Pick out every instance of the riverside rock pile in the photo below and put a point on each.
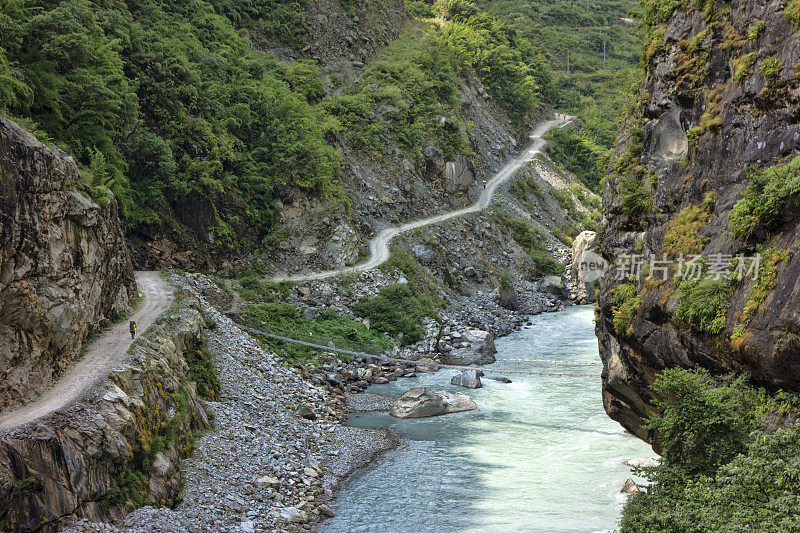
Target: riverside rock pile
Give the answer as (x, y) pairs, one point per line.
(262, 466)
(279, 448)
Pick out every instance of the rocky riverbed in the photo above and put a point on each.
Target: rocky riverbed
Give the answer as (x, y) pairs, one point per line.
(279, 448)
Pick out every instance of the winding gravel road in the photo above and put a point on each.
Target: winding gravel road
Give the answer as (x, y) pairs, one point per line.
(379, 245)
(104, 353)
(101, 357)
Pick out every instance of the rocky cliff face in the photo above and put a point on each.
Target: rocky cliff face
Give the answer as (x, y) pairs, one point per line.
(64, 268)
(700, 169)
(119, 448)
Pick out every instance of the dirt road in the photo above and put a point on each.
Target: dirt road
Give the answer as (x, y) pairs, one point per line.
(379, 245)
(101, 356)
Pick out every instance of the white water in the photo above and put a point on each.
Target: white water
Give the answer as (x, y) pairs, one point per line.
(540, 456)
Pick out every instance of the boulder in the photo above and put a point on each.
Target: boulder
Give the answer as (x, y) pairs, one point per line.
(587, 266)
(629, 487)
(434, 161)
(469, 379)
(422, 402)
(293, 515)
(555, 286)
(480, 349)
(507, 298)
(458, 175)
(643, 462)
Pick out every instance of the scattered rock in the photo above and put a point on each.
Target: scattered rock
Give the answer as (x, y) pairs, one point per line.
(479, 349)
(470, 379)
(629, 487)
(422, 402)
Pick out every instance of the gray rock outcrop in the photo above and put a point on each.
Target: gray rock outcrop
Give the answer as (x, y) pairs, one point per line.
(477, 348)
(469, 379)
(554, 286)
(64, 267)
(124, 440)
(422, 403)
(586, 267)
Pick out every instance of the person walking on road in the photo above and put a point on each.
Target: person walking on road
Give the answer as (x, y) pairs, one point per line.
(133, 329)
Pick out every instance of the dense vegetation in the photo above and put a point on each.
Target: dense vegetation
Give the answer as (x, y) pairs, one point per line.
(532, 240)
(267, 309)
(169, 103)
(593, 91)
(729, 461)
(399, 309)
(164, 100)
(766, 199)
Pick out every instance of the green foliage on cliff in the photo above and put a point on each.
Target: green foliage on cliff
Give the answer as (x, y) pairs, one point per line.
(682, 235)
(398, 311)
(704, 304)
(771, 69)
(635, 197)
(729, 459)
(626, 301)
(766, 198)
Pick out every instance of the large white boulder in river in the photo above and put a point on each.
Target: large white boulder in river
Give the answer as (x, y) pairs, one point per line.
(480, 349)
(422, 402)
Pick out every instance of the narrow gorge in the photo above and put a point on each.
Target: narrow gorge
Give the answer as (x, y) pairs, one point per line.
(419, 265)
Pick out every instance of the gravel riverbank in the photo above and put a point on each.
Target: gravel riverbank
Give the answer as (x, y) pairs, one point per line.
(280, 448)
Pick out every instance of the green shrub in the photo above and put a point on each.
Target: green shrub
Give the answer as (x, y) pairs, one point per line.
(792, 12)
(742, 66)
(771, 69)
(723, 468)
(765, 282)
(396, 311)
(287, 320)
(756, 29)
(766, 198)
(635, 197)
(580, 155)
(531, 240)
(682, 235)
(704, 304)
(203, 372)
(626, 302)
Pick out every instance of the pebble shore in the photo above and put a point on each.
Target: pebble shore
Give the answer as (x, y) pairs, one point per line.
(279, 448)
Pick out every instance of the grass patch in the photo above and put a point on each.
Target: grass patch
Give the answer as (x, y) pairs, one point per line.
(771, 69)
(626, 302)
(742, 65)
(765, 200)
(635, 197)
(531, 240)
(398, 312)
(203, 372)
(704, 304)
(764, 283)
(682, 235)
(288, 321)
